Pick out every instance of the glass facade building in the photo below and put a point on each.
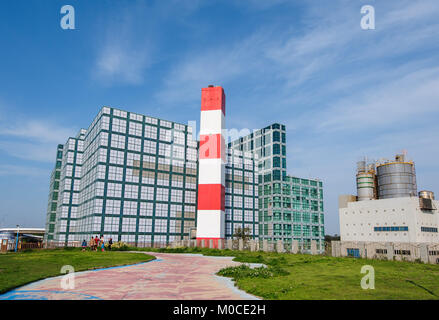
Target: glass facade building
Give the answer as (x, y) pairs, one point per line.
(53, 195)
(69, 187)
(241, 201)
(290, 208)
(133, 178)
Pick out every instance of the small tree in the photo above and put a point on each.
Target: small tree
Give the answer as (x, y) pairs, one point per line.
(241, 233)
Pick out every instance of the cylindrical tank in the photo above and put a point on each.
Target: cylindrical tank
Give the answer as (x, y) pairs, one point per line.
(396, 179)
(426, 194)
(365, 186)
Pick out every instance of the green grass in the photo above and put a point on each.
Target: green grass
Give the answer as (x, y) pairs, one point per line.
(17, 269)
(298, 276)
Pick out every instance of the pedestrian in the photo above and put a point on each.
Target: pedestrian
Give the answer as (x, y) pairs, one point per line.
(96, 243)
(84, 245)
(103, 245)
(110, 243)
(92, 244)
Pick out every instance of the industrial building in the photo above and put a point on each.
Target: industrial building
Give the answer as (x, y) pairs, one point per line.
(144, 180)
(388, 210)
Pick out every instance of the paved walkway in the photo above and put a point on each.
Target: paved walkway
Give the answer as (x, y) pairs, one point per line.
(170, 276)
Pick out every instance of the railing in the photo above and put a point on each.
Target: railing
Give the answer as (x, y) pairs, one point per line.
(24, 246)
(61, 244)
(76, 244)
(11, 246)
(33, 245)
(253, 245)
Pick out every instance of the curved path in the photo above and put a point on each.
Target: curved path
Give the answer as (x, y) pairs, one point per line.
(170, 276)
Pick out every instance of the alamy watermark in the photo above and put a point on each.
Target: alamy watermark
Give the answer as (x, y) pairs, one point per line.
(68, 20)
(67, 281)
(368, 19)
(368, 281)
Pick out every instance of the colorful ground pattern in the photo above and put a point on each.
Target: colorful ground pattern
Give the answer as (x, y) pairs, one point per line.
(169, 277)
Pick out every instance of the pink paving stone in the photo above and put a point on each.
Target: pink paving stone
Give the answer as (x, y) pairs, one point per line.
(170, 277)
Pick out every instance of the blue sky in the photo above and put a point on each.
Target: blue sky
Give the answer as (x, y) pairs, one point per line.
(342, 92)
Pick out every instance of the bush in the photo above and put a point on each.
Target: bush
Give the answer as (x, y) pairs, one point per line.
(244, 271)
(277, 261)
(118, 246)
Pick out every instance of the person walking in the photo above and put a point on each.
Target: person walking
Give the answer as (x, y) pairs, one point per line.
(110, 243)
(84, 245)
(96, 243)
(91, 244)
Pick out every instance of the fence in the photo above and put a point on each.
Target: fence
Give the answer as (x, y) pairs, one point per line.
(23, 246)
(61, 244)
(233, 244)
(253, 245)
(423, 252)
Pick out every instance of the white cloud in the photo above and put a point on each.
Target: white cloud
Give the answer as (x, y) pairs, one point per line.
(413, 95)
(123, 64)
(122, 57)
(218, 65)
(132, 37)
(34, 140)
(39, 130)
(8, 170)
(407, 12)
(34, 151)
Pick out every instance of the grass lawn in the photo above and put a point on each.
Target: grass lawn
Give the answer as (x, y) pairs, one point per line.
(17, 269)
(299, 276)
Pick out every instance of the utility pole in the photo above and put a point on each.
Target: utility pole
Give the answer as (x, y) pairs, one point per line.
(16, 241)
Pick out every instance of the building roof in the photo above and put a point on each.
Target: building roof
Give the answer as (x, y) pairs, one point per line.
(24, 230)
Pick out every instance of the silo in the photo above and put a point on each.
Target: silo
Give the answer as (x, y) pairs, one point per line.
(365, 186)
(365, 181)
(396, 179)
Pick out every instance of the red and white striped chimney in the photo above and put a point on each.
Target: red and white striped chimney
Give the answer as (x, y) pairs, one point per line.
(211, 173)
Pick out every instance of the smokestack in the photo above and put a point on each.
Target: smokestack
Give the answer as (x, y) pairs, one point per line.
(211, 175)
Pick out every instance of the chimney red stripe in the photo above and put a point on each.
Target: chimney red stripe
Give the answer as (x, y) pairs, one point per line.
(211, 197)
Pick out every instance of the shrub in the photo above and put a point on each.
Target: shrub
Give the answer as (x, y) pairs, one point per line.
(244, 271)
(118, 246)
(277, 261)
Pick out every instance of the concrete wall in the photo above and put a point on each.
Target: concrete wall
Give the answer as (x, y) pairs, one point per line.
(424, 252)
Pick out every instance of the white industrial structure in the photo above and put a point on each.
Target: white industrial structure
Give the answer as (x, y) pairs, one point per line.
(389, 220)
(388, 210)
